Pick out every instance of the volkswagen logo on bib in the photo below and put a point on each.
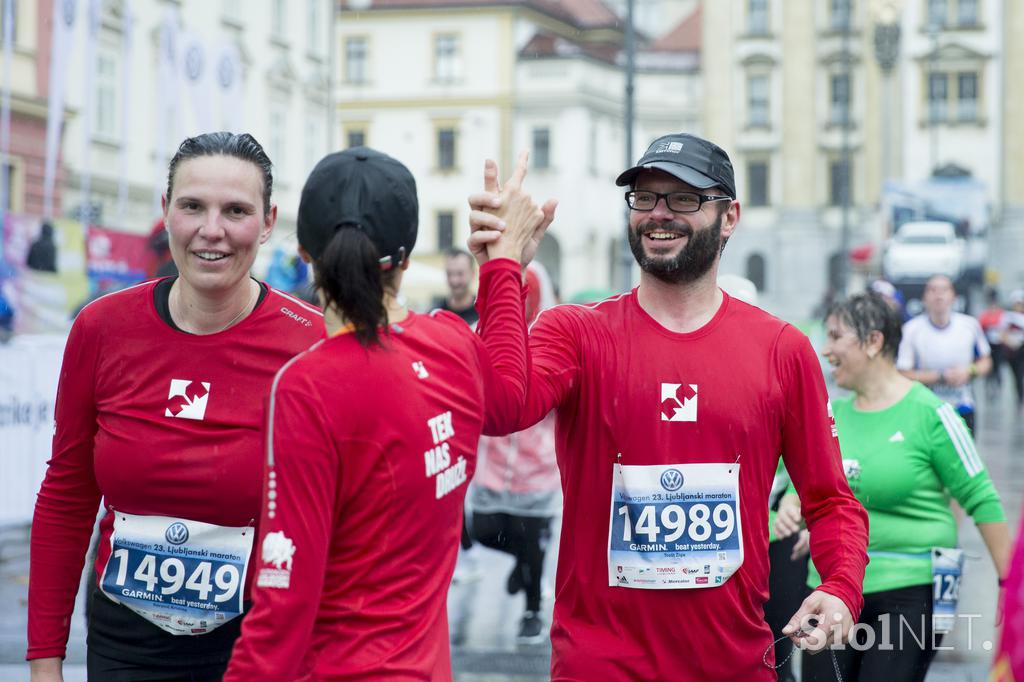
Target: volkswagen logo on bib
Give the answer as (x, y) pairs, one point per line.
(672, 480)
(176, 533)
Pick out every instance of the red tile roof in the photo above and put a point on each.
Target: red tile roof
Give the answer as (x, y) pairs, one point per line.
(548, 45)
(686, 37)
(581, 13)
(587, 13)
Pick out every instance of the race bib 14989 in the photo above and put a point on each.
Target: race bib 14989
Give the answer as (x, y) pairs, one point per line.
(674, 526)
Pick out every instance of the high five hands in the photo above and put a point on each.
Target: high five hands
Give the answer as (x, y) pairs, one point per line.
(504, 222)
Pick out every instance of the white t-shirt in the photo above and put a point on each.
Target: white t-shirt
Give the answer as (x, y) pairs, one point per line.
(958, 344)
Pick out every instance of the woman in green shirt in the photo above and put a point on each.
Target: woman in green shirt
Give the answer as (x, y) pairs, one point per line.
(906, 454)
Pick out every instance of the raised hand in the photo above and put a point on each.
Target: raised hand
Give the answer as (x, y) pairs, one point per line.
(505, 222)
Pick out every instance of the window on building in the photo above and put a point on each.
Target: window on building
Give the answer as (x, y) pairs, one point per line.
(13, 203)
(757, 183)
(592, 149)
(445, 230)
(938, 97)
(106, 95)
(232, 9)
(356, 56)
(14, 22)
(756, 270)
(278, 131)
(313, 24)
(355, 137)
(842, 14)
(314, 138)
(839, 99)
(541, 154)
(967, 97)
(967, 13)
(446, 58)
(757, 101)
(757, 17)
(446, 148)
(839, 183)
(279, 16)
(937, 13)
(834, 271)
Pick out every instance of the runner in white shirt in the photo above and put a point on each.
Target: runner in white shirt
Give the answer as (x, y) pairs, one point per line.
(945, 350)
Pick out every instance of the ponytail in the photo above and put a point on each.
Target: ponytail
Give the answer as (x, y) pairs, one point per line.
(349, 275)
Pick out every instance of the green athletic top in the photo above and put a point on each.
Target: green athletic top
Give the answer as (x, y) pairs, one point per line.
(903, 463)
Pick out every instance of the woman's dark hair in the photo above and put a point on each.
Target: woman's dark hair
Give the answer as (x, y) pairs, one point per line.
(869, 312)
(349, 275)
(244, 147)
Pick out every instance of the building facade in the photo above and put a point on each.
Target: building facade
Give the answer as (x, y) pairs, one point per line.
(484, 79)
(29, 87)
(821, 102)
(158, 71)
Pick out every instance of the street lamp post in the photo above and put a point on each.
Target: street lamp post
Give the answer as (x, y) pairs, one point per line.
(846, 187)
(332, 58)
(332, 120)
(933, 110)
(625, 256)
(887, 51)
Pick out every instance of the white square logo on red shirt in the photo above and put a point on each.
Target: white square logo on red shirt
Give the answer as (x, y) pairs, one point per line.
(187, 399)
(679, 402)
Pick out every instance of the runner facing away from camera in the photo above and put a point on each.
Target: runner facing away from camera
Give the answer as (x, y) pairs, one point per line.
(372, 439)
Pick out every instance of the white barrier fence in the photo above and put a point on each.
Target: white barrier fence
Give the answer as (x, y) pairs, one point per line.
(29, 369)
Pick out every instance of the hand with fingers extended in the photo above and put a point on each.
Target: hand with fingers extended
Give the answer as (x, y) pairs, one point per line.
(505, 222)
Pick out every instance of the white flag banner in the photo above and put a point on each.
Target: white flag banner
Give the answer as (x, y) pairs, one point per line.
(127, 59)
(92, 32)
(5, 107)
(229, 87)
(167, 104)
(64, 16)
(196, 69)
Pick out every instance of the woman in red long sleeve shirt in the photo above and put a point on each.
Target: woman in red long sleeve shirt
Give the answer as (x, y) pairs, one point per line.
(158, 414)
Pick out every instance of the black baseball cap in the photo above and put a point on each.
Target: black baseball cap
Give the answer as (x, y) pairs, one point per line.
(363, 189)
(692, 159)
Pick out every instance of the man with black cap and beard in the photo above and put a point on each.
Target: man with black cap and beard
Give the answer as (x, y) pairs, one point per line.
(674, 402)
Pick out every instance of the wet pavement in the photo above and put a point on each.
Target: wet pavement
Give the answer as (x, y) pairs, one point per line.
(484, 618)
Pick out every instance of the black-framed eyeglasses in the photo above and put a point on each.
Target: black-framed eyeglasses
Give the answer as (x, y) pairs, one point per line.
(677, 202)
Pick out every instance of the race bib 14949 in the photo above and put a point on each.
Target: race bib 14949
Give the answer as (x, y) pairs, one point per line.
(185, 577)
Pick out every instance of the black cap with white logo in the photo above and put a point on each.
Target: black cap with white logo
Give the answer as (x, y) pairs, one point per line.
(363, 189)
(689, 158)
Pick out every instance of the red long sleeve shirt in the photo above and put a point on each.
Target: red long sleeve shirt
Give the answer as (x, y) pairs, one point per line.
(746, 385)
(369, 454)
(124, 432)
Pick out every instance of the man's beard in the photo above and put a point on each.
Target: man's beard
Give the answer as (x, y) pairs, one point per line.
(691, 263)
